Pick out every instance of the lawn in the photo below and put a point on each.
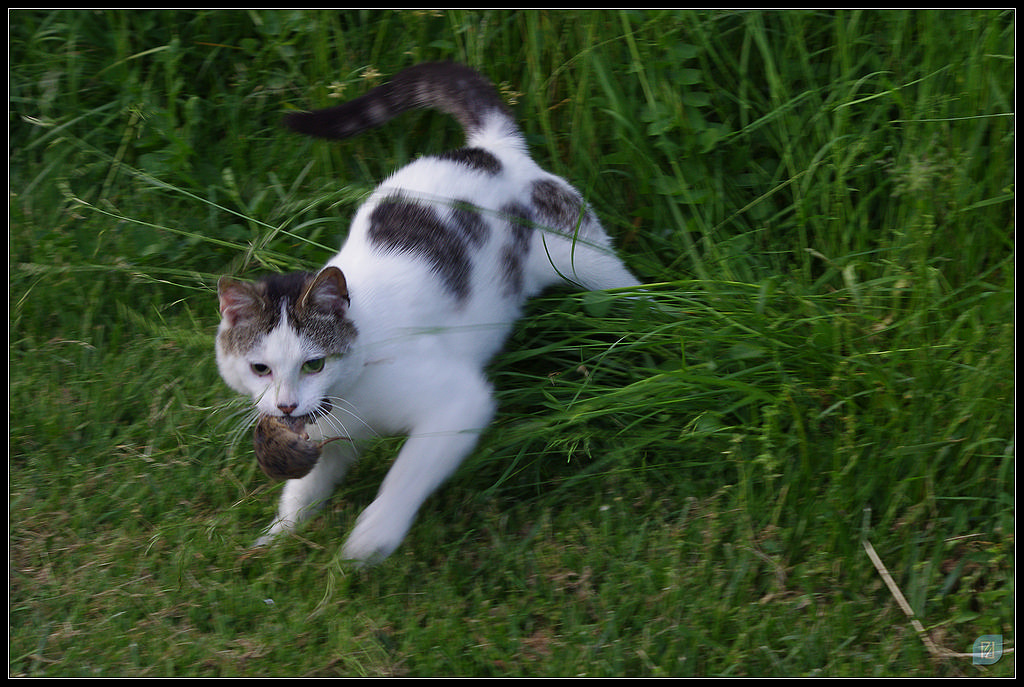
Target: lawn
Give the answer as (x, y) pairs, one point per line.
(822, 204)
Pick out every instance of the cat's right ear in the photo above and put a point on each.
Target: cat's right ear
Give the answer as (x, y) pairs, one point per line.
(239, 300)
(327, 291)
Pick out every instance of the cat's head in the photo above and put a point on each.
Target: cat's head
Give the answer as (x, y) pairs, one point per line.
(285, 340)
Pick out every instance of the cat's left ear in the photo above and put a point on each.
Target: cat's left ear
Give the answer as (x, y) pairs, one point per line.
(326, 291)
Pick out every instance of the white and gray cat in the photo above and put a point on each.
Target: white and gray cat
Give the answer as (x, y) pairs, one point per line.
(391, 336)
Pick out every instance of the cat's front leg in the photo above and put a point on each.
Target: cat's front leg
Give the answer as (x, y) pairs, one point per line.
(430, 455)
(302, 498)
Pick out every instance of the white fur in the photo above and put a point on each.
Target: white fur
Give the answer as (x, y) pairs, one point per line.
(416, 365)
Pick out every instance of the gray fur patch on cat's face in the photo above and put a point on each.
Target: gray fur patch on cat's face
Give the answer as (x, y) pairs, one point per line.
(314, 305)
(250, 310)
(401, 225)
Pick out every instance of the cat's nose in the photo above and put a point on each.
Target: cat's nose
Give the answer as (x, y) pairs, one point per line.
(287, 409)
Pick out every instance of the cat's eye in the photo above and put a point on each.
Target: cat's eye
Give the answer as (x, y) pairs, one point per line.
(313, 366)
(259, 369)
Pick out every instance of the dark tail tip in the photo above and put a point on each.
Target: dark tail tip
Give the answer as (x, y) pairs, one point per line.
(297, 122)
(449, 87)
(336, 122)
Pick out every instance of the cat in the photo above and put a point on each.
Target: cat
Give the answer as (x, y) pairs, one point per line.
(392, 335)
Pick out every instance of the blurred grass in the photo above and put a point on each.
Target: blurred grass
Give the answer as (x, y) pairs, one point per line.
(822, 202)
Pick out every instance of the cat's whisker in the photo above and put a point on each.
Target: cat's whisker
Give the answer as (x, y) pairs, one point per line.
(322, 416)
(325, 415)
(340, 404)
(239, 415)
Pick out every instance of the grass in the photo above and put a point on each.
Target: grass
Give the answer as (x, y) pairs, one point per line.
(822, 202)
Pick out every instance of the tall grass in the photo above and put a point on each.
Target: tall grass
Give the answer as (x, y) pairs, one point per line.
(821, 202)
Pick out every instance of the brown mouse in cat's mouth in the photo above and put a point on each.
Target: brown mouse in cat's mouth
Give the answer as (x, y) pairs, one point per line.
(283, 447)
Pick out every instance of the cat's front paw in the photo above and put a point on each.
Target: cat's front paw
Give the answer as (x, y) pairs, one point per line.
(375, 537)
(273, 531)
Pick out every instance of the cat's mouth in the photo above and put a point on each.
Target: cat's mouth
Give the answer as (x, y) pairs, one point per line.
(297, 423)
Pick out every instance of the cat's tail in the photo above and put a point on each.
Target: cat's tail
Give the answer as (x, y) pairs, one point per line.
(452, 88)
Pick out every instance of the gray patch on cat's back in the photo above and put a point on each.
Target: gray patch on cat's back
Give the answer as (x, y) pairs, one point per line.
(559, 207)
(516, 248)
(404, 226)
(474, 158)
(468, 223)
